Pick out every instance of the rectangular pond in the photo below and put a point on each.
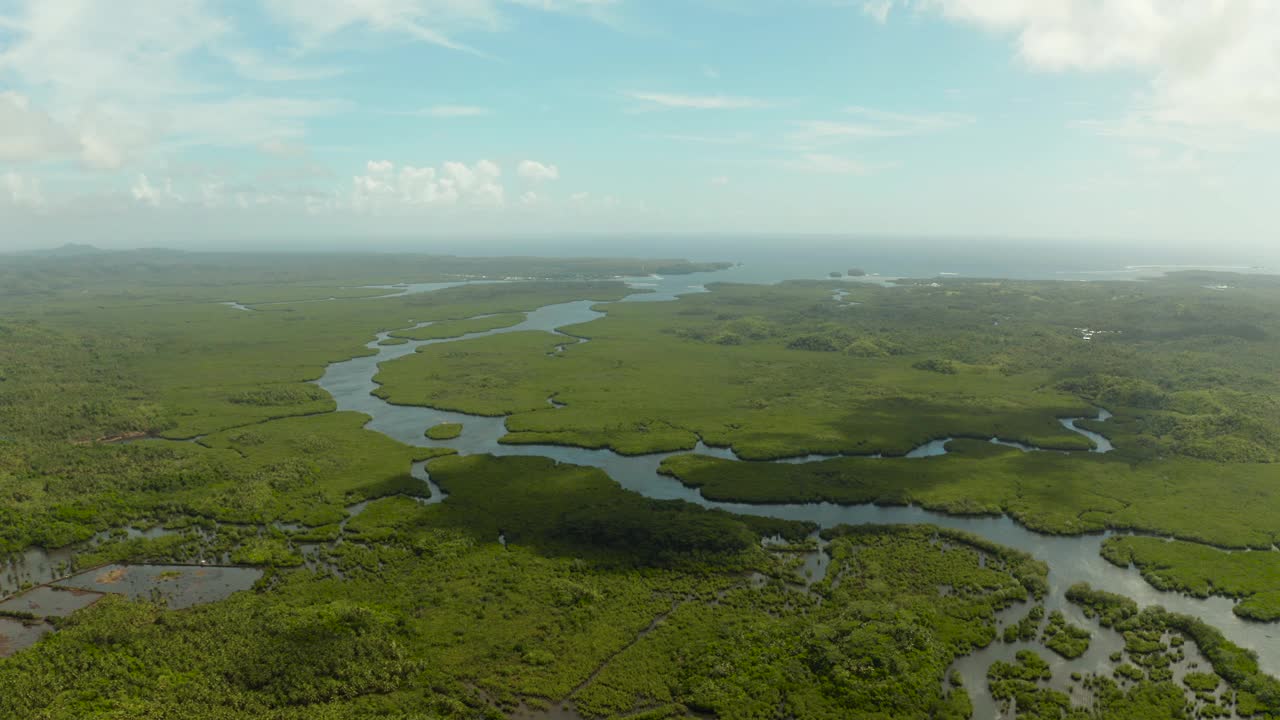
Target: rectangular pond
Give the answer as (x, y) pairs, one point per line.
(18, 635)
(181, 586)
(46, 601)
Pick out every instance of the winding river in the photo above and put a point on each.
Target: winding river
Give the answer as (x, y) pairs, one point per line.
(1071, 559)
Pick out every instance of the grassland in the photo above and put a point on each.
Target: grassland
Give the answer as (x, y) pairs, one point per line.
(444, 431)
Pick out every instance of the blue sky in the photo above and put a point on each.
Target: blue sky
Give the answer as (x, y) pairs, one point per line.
(194, 122)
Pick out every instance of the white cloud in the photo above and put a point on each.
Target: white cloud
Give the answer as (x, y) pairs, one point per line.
(27, 133)
(698, 102)
(829, 164)
(155, 196)
(246, 120)
(533, 170)
(871, 124)
(878, 9)
(102, 137)
(452, 111)
(21, 191)
(382, 188)
(720, 180)
(1210, 63)
(89, 49)
(738, 138)
(529, 198)
(430, 21)
(280, 147)
(437, 22)
(110, 136)
(252, 65)
(122, 78)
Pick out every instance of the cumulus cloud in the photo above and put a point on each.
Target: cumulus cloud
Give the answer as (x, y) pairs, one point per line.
(27, 133)
(1209, 62)
(533, 170)
(155, 195)
(21, 191)
(697, 102)
(383, 187)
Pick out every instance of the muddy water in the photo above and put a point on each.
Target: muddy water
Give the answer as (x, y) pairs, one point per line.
(18, 635)
(1071, 559)
(47, 601)
(37, 566)
(1095, 661)
(179, 586)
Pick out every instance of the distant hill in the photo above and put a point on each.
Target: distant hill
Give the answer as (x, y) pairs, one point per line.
(68, 250)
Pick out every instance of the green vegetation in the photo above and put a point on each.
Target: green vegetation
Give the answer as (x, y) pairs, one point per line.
(753, 368)
(458, 328)
(1027, 628)
(1144, 630)
(427, 614)
(1201, 682)
(534, 500)
(1204, 571)
(1048, 492)
(878, 643)
(444, 431)
(1069, 641)
(1017, 682)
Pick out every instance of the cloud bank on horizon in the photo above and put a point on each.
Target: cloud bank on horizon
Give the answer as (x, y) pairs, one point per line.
(176, 121)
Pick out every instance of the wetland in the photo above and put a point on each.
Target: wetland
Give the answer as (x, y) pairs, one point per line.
(658, 497)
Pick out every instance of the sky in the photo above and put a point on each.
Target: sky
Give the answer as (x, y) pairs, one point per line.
(197, 123)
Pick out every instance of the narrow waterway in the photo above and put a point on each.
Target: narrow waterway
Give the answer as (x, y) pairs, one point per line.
(1071, 559)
